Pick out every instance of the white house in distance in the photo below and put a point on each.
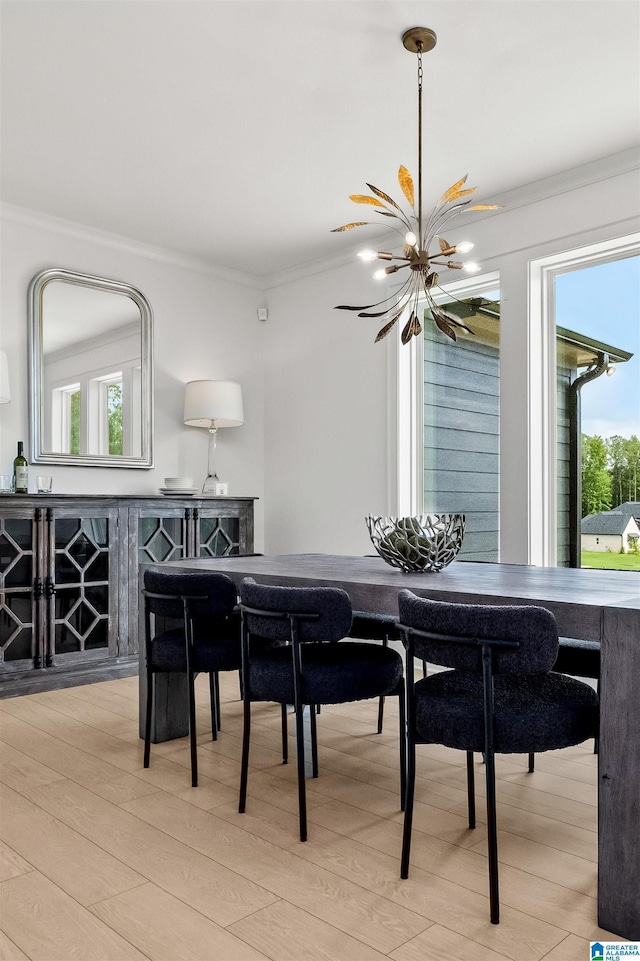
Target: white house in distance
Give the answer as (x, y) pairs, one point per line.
(613, 531)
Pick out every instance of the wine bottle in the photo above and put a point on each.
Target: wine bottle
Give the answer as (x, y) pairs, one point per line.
(21, 471)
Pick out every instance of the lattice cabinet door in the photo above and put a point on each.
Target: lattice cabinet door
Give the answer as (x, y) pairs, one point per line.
(81, 586)
(161, 533)
(158, 532)
(217, 533)
(20, 590)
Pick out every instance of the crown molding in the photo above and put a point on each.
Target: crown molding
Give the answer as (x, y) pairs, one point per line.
(69, 228)
(596, 171)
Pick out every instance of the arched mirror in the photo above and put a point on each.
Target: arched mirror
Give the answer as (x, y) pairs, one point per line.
(91, 398)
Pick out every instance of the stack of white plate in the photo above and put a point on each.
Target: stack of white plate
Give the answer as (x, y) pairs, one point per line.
(178, 485)
(182, 491)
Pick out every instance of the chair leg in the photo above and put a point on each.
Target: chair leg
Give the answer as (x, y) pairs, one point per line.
(302, 795)
(403, 746)
(213, 696)
(314, 741)
(532, 763)
(385, 643)
(471, 794)
(492, 837)
(285, 740)
(218, 710)
(147, 721)
(408, 807)
(244, 764)
(192, 728)
(380, 713)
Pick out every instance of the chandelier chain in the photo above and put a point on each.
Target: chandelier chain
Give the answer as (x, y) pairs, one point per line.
(419, 52)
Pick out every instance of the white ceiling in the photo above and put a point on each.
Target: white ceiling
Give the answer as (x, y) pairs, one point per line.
(234, 130)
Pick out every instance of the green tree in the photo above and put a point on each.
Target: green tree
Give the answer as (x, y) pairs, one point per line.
(596, 479)
(616, 461)
(114, 414)
(74, 423)
(632, 465)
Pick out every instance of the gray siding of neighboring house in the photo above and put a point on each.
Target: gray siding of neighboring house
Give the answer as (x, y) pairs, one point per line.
(461, 438)
(563, 382)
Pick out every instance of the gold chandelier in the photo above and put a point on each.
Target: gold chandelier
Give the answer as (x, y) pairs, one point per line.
(419, 234)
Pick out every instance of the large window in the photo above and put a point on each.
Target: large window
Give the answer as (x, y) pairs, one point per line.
(577, 306)
(457, 418)
(599, 414)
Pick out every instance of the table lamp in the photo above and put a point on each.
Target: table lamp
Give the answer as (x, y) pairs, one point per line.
(212, 404)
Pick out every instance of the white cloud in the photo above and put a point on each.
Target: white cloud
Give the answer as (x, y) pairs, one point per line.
(603, 427)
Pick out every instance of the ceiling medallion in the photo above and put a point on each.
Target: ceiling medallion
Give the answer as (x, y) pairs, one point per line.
(419, 234)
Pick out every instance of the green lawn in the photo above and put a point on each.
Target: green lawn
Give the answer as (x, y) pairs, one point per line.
(610, 561)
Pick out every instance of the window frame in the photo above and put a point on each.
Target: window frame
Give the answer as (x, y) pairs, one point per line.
(542, 394)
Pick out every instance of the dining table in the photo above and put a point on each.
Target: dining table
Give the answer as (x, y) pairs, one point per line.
(595, 605)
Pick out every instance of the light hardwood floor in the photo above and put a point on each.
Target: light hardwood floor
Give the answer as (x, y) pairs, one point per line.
(100, 859)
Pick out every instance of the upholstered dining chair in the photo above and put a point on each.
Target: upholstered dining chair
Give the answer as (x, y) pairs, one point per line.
(308, 662)
(578, 658)
(206, 639)
(498, 696)
(369, 626)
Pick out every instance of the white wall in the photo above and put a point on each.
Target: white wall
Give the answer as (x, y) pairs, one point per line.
(601, 542)
(204, 326)
(326, 431)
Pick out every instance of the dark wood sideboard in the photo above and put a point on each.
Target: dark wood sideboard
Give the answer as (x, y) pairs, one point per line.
(69, 567)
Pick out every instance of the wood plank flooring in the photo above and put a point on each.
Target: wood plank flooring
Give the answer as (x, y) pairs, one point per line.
(100, 859)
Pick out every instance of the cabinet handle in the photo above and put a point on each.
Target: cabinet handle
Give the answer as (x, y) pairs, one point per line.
(50, 588)
(38, 588)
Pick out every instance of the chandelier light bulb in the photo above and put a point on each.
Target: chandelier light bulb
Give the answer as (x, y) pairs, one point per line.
(471, 267)
(464, 247)
(380, 274)
(367, 254)
(411, 238)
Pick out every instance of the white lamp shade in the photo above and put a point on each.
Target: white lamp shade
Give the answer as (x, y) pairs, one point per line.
(5, 390)
(213, 403)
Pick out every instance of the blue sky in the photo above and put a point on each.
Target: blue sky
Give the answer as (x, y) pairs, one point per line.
(603, 302)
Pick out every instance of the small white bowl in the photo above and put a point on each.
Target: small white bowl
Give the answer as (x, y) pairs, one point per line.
(178, 482)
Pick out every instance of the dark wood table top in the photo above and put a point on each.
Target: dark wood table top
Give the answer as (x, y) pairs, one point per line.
(577, 597)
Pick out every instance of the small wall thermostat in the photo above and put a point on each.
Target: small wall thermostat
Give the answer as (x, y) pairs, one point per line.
(263, 313)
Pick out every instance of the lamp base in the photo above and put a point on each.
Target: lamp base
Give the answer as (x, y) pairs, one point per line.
(209, 486)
